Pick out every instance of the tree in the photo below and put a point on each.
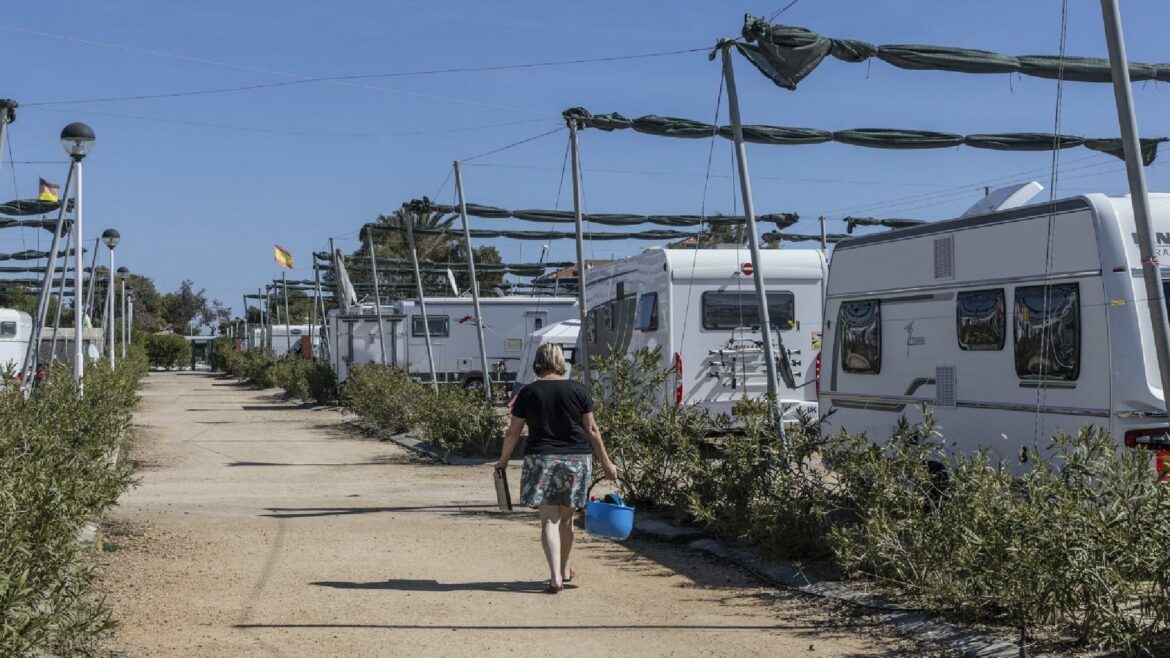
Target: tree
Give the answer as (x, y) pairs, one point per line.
(186, 307)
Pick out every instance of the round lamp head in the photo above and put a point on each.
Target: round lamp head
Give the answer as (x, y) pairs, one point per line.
(111, 237)
(77, 139)
(123, 271)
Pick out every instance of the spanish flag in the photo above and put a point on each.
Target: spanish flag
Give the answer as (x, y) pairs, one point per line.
(49, 191)
(283, 257)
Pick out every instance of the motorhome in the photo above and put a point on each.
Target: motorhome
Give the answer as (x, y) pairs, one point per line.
(564, 333)
(1007, 326)
(285, 339)
(454, 340)
(700, 307)
(15, 333)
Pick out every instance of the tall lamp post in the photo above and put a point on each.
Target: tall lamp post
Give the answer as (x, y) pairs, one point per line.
(110, 237)
(123, 274)
(77, 139)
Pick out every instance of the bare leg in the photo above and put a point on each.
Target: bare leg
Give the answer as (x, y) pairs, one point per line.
(566, 532)
(550, 537)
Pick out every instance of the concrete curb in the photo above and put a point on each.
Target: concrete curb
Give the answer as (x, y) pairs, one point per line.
(786, 575)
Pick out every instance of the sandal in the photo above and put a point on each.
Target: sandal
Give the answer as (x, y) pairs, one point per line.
(553, 589)
(570, 577)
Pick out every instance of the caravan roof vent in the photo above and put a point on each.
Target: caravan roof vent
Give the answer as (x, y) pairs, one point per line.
(944, 257)
(1004, 198)
(944, 386)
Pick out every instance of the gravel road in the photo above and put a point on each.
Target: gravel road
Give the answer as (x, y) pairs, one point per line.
(264, 529)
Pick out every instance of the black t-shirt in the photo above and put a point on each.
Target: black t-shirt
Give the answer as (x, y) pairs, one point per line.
(552, 409)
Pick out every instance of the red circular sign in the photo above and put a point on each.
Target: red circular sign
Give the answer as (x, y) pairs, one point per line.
(747, 269)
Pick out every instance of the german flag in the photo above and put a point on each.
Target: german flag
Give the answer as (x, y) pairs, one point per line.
(283, 257)
(49, 191)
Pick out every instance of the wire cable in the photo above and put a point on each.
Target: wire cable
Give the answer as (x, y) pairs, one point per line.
(512, 145)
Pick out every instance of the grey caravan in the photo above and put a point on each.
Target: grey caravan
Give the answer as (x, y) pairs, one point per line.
(699, 306)
(1007, 326)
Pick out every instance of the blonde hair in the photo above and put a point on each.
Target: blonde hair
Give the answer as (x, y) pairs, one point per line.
(549, 359)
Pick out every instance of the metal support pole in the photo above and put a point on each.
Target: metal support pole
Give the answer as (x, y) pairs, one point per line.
(323, 333)
(125, 316)
(287, 319)
(1138, 194)
(333, 256)
(824, 236)
(377, 296)
(422, 300)
(263, 319)
(483, 359)
(247, 334)
(313, 312)
(60, 301)
(582, 310)
(130, 318)
(32, 355)
(78, 290)
(7, 116)
(745, 186)
(108, 324)
(97, 247)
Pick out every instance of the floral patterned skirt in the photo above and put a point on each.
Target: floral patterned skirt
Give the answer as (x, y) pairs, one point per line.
(556, 480)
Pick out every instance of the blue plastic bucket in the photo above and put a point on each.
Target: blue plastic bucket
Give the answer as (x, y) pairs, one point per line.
(608, 520)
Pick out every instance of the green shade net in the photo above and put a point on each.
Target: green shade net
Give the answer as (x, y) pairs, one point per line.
(853, 222)
(778, 236)
(23, 207)
(884, 138)
(781, 220)
(786, 55)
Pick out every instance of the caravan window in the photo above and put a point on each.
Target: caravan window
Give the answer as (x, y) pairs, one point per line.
(7, 329)
(860, 327)
(439, 326)
(734, 309)
(981, 318)
(1048, 331)
(646, 315)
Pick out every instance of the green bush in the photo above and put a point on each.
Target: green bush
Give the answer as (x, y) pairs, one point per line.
(258, 367)
(168, 351)
(322, 383)
(383, 396)
(291, 374)
(1079, 542)
(56, 473)
(461, 421)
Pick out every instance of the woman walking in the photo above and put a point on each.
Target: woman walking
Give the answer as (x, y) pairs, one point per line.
(562, 434)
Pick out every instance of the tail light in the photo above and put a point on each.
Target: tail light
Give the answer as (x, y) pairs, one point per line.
(678, 373)
(817, 375)
(1155, 437)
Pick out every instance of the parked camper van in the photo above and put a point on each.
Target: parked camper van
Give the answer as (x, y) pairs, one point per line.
(564, 333)
(284, 339)
(15, 333)
(1007, 326)
(699, 306)
(454, 341)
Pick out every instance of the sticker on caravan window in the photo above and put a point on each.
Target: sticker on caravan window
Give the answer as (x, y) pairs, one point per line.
(816, 340)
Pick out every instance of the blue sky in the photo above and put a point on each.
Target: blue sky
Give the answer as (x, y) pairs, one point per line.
(202, 186)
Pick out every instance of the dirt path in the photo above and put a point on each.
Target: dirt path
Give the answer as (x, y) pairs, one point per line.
(262, 529)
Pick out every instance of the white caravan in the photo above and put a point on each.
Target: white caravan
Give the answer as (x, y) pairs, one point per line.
(454, 341)
(564, 333)
(1007, 326)
(15, 333)
(283, 338)
(699, 306)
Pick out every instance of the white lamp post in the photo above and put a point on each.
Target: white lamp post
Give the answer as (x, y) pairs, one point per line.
(123, 274)
(77, 139)
(111, 237)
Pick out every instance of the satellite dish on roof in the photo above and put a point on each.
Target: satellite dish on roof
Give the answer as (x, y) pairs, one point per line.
(1004, 198)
